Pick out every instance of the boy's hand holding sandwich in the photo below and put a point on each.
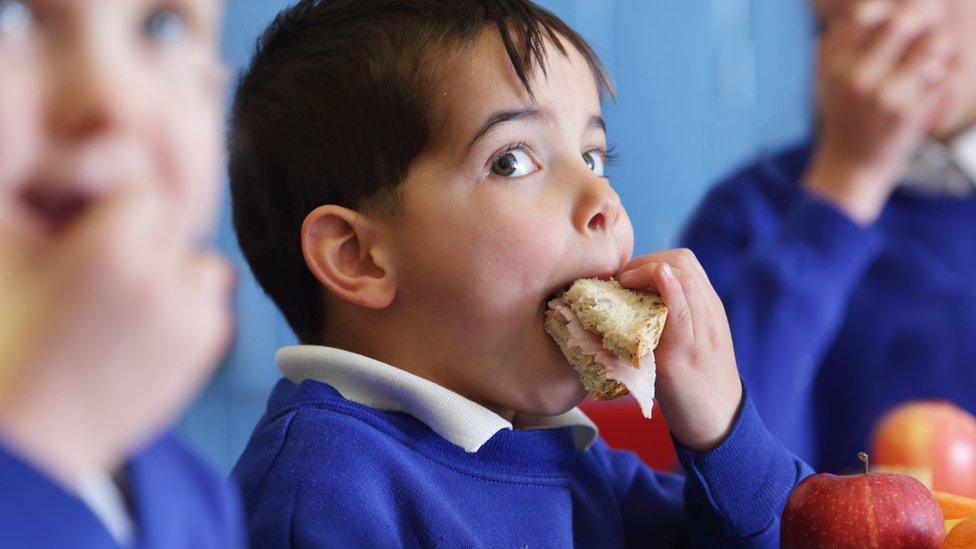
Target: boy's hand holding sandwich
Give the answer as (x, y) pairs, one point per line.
(616, 334)
(698, 385)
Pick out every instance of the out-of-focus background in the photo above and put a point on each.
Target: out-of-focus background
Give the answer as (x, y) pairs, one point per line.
(702, 87)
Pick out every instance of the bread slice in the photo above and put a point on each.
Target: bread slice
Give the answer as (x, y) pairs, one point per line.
(629, 323)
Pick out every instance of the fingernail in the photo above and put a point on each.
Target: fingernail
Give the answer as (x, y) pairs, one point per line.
(666, 270)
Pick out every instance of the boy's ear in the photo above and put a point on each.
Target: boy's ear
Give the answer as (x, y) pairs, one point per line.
(344, 251)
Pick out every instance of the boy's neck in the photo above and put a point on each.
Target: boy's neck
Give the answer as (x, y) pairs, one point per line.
(377, 335)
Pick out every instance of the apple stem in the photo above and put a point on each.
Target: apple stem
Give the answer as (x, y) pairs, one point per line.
(863, 456)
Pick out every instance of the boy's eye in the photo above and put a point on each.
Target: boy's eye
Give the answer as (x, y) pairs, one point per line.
(165, 26)
(594, 161)
(15, 19)
(513, 163)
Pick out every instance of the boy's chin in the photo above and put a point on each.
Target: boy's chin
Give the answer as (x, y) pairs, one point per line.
(555, 398)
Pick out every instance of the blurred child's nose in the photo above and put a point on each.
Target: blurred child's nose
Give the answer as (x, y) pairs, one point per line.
(89, 92)
(598, 207)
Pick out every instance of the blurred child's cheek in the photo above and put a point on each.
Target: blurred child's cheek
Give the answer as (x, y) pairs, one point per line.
(200, 169)
(19, 129)
(192, 113)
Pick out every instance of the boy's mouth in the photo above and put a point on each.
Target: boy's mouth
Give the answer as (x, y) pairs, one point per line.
(545, 302)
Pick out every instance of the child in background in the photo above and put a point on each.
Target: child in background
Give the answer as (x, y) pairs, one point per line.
(411, 182)
(847, 264)
(110, 150)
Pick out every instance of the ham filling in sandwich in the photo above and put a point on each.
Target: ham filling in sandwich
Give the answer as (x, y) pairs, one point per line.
(608, 334)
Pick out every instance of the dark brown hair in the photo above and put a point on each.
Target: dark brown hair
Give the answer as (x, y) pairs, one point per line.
(335, 107)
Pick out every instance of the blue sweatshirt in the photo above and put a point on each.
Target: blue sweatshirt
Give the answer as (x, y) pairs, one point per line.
(324, 471)
(835, 323)
(177, 502)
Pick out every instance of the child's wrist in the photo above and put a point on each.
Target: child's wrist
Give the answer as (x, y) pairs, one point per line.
(706, 431)
(860, 194)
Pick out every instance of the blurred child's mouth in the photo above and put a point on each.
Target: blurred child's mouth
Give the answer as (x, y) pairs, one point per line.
(54, 211)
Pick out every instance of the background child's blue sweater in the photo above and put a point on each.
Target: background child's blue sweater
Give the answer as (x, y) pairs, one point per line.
(833, 323)
(178, 501)
(323, 471)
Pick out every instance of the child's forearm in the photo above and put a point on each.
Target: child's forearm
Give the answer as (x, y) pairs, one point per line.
(785, 293)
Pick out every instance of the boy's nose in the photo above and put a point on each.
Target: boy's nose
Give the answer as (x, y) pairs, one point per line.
(598, 208)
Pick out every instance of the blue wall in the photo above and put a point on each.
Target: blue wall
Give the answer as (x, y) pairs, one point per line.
(702, 86)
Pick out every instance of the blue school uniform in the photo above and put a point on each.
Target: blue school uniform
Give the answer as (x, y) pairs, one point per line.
(353, 452)
(835, 323)
(175, 500)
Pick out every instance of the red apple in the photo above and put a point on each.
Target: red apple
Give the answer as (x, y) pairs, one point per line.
(865, 510)
(930, 435)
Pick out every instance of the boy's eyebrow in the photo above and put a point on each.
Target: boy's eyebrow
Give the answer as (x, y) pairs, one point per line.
(507, 116)
(598, 122)
(500, 118)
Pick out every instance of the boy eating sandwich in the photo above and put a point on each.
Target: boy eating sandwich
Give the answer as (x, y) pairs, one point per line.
(412, 182)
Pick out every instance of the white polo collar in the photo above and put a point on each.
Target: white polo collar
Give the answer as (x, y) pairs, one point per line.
(384, 387)
(947, 170)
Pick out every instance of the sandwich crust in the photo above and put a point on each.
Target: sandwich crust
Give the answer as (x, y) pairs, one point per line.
(629, 321)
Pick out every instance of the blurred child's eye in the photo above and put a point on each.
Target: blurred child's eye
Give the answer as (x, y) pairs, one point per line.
(15, 19)
(594, 161)
(165, 26)
(514, 162)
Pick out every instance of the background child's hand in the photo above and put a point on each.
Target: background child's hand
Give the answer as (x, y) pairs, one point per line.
(883, 80)
(108, 331)
(698, 385)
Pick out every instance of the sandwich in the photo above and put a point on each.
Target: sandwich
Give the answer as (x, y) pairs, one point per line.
(608, 334)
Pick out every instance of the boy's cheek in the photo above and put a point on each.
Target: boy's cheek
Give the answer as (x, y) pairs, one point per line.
(625, 237)
(527, 256)
(498, 278)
